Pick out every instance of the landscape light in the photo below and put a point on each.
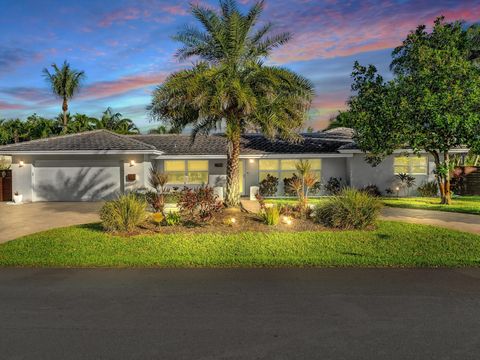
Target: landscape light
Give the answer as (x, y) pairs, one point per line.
(289, 221)
(233, 220)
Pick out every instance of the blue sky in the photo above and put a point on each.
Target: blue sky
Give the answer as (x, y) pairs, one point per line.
(125, 47)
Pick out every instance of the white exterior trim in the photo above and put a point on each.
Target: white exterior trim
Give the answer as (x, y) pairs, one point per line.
(403, 151)
(254, 156)
(83, 152)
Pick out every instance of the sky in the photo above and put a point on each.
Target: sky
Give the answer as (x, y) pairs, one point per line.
(126, 49)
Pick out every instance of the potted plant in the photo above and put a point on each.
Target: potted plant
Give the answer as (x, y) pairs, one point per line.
(17, 198)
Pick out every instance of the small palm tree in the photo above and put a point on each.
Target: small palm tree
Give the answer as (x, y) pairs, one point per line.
(65, 83)
(116, 122)
(81, 122)
(231, 86)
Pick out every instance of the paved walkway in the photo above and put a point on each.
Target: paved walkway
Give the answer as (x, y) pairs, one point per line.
(455, 221)
(20, 220)
(449, 220)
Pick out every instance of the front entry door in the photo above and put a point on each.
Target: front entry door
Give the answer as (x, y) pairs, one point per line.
(241, 175)
(5, 185)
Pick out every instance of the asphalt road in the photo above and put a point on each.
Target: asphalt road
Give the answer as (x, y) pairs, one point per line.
(240, 314)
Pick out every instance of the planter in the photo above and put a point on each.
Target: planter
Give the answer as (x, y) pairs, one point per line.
(17, 199)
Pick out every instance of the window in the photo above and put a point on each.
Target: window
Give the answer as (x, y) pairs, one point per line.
(285, 168)
(412, 165)
(187, 171)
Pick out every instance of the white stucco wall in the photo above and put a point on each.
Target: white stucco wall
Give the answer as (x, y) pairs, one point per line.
(362, 173)
(22, 175)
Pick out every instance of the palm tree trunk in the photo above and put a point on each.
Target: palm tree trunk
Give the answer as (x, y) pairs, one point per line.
(65, 109)
(232, 197)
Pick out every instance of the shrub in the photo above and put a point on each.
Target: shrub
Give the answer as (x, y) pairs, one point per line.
(123, 214)
(287, 185)
(261, 201)
(405, 182)
(270, 215)
(350, 209)
(333, 186)
(158, 181)
(372, 190)
(317, 188)
(428, 189)
(268, 186)
(173, 218)
(198, 205)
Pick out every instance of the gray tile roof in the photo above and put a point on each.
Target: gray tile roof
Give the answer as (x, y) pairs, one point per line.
(250, 144)
(96, 140)
(171, 144)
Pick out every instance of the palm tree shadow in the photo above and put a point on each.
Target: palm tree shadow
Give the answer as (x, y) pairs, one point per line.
(86, 184)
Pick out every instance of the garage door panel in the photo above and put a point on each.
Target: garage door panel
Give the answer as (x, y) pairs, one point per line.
(76, 181)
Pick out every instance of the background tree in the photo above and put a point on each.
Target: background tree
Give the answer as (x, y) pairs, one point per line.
(162, 129)
(116, 122)
(37, 127)
(65, 83)
(81, 122)
(432, 104)
(231, 86)
(342, 119)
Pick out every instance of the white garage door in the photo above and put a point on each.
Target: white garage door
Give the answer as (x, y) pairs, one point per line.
(76, 180)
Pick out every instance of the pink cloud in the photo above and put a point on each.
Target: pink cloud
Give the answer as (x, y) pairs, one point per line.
(9, 106)
(121, 15)
(175, 9)
(103, 89)
(333, 32)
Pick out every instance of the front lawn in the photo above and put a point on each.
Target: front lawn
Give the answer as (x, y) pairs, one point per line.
(464, 204)
(392, 244)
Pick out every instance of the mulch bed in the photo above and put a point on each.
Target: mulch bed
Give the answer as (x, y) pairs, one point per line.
(243, 222)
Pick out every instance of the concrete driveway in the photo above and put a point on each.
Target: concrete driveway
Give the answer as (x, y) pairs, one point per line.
(20, 220)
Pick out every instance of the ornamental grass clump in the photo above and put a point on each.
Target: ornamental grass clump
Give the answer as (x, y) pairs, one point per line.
(270, 215)
(350, 209)
(123, 214)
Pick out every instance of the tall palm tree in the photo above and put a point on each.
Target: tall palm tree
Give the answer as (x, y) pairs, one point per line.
(231, 86)
(65, 83)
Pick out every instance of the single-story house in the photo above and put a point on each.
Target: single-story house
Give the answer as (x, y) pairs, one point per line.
(99, 164)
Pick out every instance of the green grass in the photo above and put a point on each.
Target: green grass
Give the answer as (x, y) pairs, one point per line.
(464, 204)
(294, 201)
(392, 244)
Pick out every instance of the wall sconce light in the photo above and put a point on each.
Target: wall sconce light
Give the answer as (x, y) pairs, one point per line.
(21, 163)
(251, 161)
(132, 162)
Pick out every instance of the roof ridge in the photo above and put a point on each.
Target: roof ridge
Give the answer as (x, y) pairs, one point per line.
(123, 137)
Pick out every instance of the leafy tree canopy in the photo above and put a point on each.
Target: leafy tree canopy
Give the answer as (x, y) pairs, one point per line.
(432, 104)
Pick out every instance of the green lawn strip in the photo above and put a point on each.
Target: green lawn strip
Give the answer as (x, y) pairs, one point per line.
(392, 244)
(464, 204)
